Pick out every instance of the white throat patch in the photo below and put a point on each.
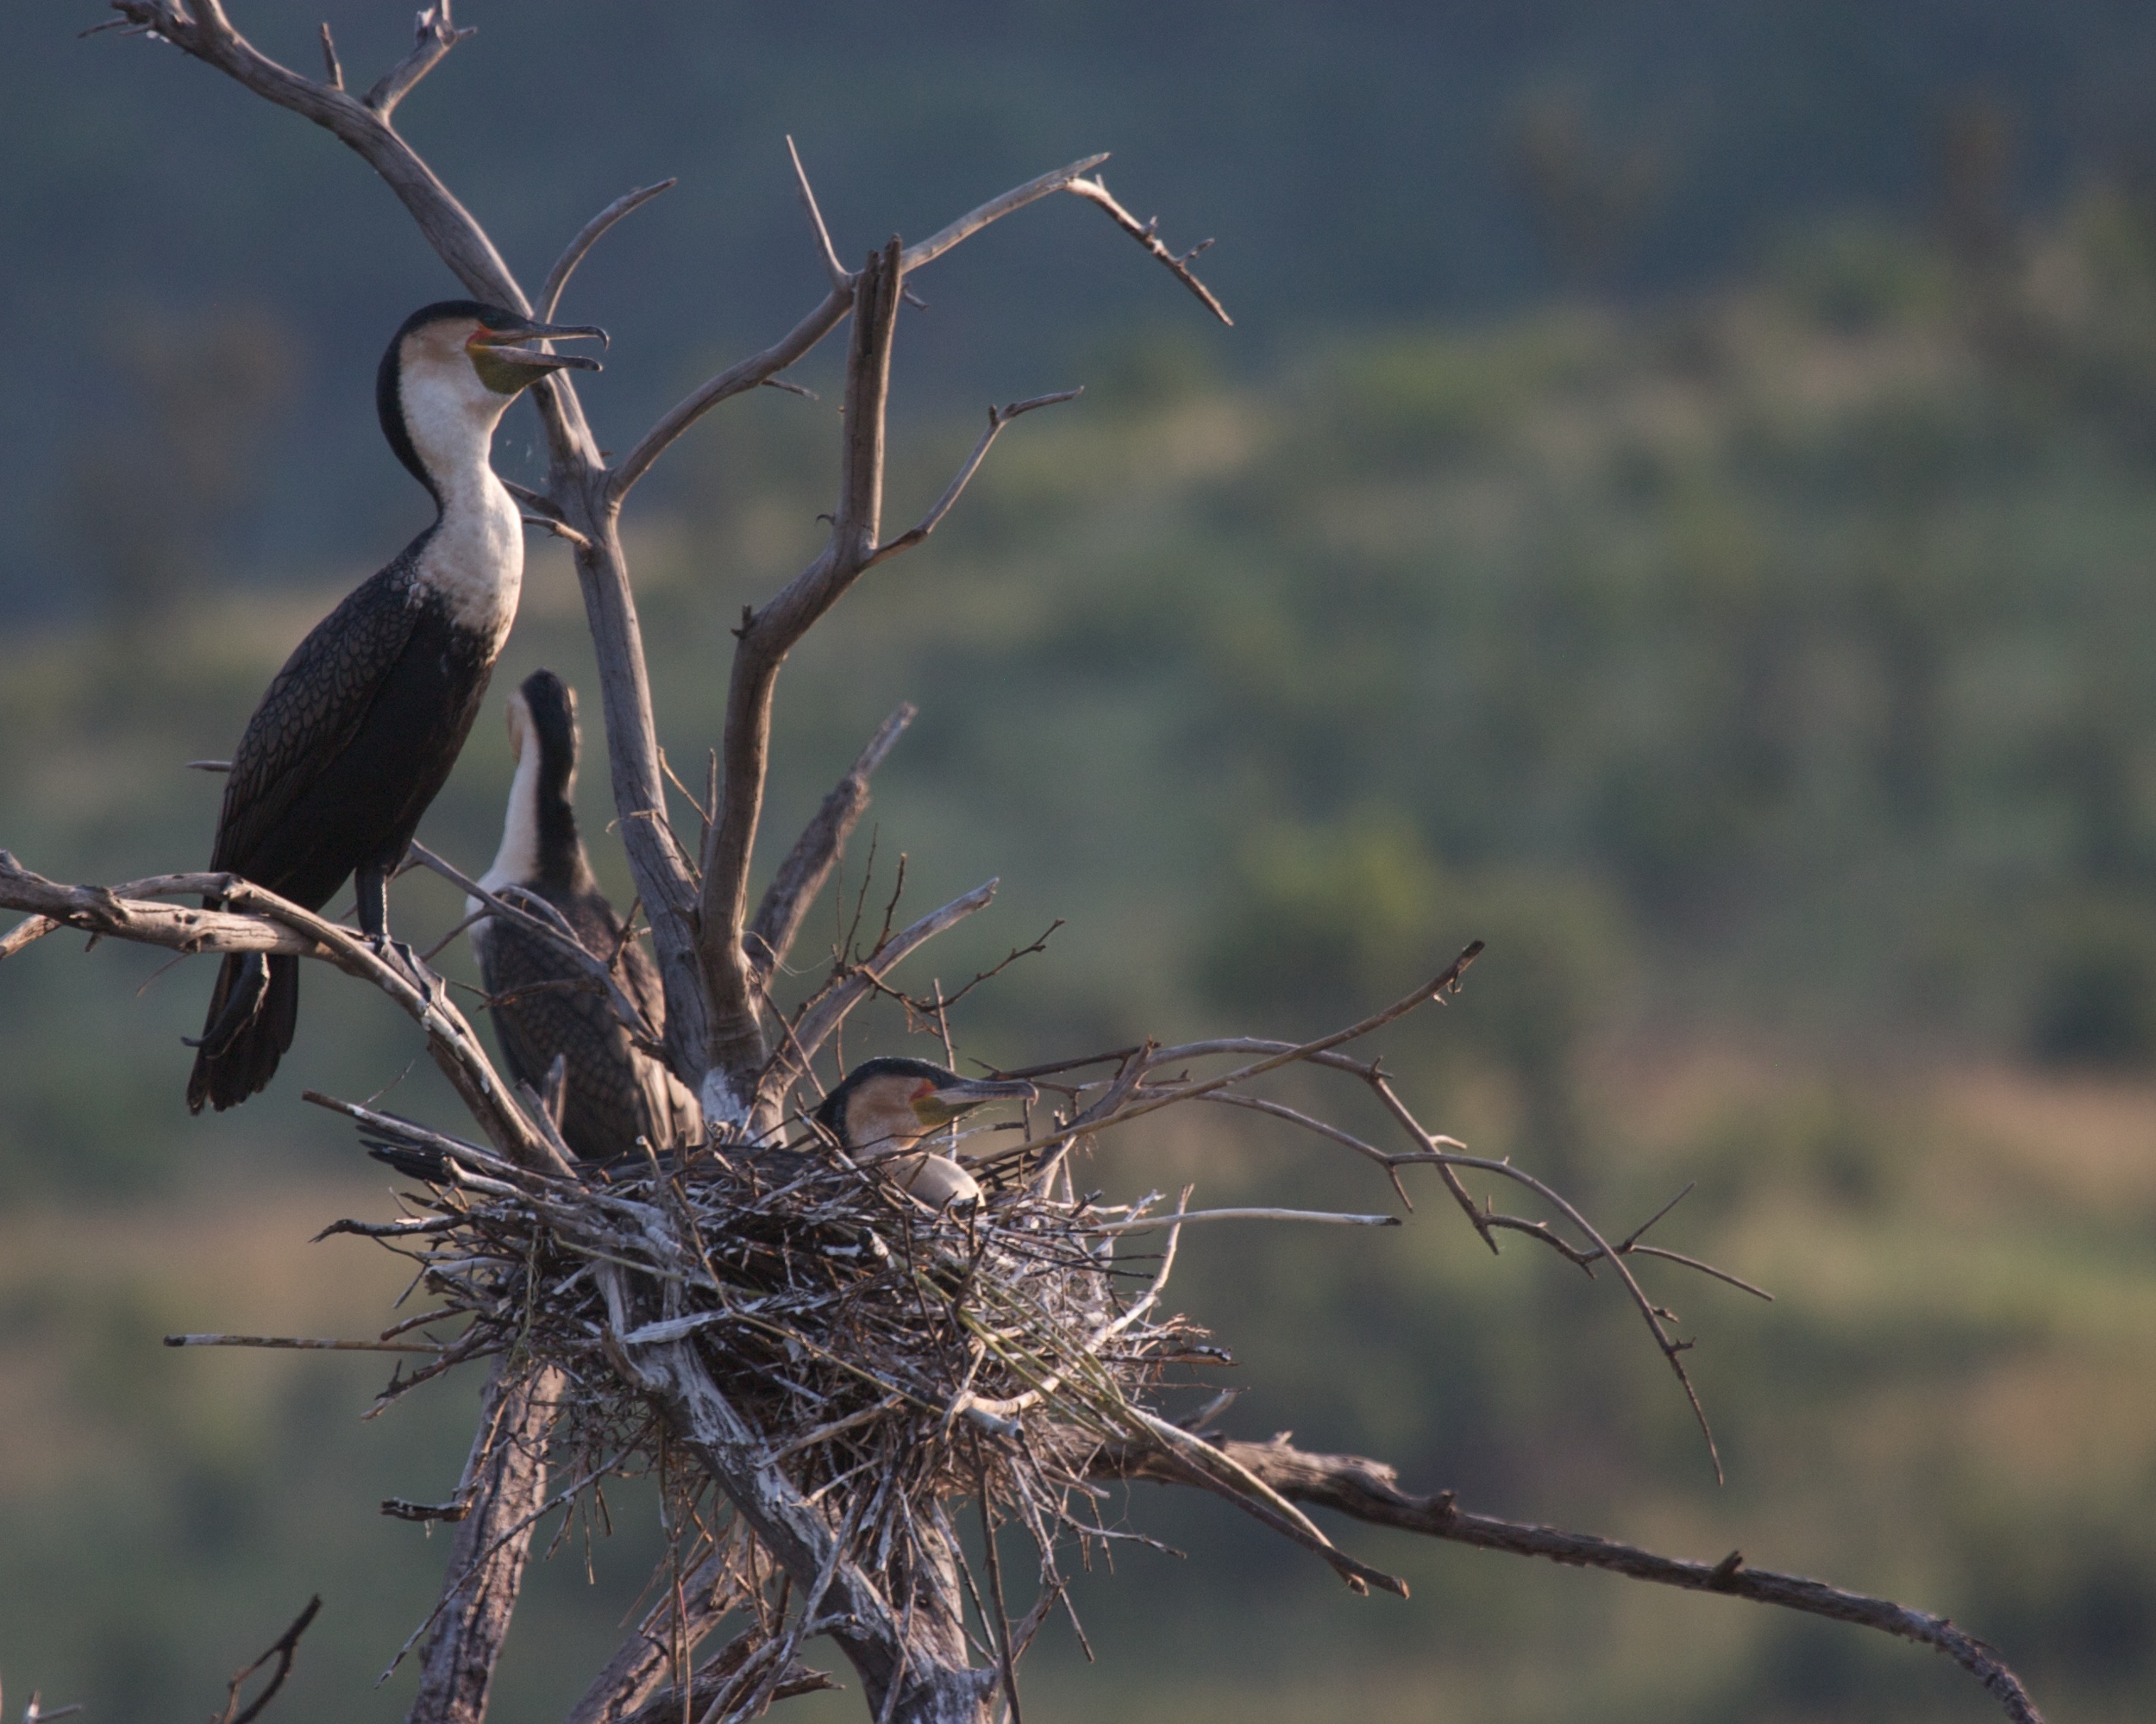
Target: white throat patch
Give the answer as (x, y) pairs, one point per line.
(475, 558)
(517, 860)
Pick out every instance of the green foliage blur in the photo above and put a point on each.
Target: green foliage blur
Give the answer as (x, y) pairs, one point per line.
(1758, 669)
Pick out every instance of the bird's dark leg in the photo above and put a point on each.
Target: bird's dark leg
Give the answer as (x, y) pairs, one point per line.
(371, 881)
(372, 884)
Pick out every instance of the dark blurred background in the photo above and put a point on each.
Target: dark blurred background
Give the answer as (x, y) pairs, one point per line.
(1676, 503)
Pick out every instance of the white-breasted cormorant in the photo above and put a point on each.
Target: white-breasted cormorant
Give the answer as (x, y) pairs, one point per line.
(887, 1108)
(614, 1092)
(359, 728)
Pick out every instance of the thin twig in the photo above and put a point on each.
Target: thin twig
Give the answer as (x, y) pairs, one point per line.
(1147, 1224)
(998, 418)
(286, 1647)
(554, 930)
(1446, 980)
(840, 275)
(587, 236)
(1144, 232)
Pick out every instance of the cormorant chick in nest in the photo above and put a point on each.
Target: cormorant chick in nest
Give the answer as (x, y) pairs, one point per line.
(887, 1108)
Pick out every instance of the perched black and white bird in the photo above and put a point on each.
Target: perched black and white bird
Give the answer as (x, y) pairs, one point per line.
(359, 728)
(887, 1108)
(613, 1092)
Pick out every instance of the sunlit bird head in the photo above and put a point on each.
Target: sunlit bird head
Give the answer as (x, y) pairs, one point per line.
(886, 1106)
(452, 370)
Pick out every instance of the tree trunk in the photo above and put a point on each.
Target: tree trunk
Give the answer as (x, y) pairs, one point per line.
(486, 1564)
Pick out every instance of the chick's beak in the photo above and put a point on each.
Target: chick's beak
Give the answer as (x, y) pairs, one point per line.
(969, 1093)
(504, 344)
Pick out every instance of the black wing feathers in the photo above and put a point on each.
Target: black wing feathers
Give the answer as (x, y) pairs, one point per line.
(315, 707)
(540, 1011)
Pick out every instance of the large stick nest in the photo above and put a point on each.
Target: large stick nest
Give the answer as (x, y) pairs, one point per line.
(879, 1348)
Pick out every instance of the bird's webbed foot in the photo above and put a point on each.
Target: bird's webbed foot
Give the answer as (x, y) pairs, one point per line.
(408, 964)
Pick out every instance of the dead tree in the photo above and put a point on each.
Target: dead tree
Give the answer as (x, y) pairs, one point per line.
(820, 1371)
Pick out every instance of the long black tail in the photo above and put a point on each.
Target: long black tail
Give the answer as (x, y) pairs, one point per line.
(252, 1013)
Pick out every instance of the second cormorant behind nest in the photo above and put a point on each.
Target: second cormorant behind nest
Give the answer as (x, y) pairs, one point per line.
(613, 1093)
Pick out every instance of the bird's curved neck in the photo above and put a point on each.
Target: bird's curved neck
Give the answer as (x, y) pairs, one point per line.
(540, 845)
(473, 556)
(450, 422)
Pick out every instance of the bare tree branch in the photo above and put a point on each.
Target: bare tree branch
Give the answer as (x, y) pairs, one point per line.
(927, 251)
(1369, 1491)
(736, 1051)
(930, 1689)
(815, 852)
(285, 1649)
(587, 236)
(1144, 232)
(737, 379)
(759, 368)
(828, 1010)
(201, 29)
(1443, 982)
(673, 1628)
(840, 275)
(665, 1706)
(122, 914)
(544, 921)
(258, 920)
(436, 36)
(506, 1479)
(998, 418)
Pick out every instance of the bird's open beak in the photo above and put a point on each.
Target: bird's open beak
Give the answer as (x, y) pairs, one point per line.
(504, 344)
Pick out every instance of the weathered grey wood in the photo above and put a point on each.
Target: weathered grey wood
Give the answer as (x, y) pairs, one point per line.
(1370, 1490)
(507, 1476)
(801, 876)
(736, 1050)
(643, 1664)
(829, 1009)
(257, 919)
(919, 1672)
(637, 1686)
(922, 1656)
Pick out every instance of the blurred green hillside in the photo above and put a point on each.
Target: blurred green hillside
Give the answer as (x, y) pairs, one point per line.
(1758, 673)
(1394, 160)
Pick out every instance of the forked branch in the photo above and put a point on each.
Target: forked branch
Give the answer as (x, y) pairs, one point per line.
(435, 36)
(258, 920)
(736, 1050)
(283, 1653)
